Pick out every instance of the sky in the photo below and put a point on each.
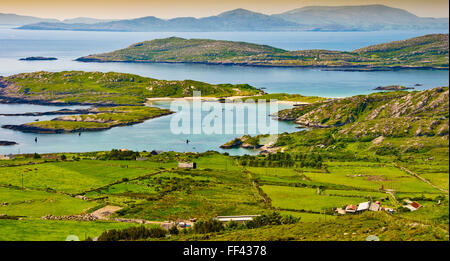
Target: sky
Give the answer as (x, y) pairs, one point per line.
(123, 9)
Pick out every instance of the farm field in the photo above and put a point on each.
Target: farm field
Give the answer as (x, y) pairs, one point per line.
(156, 190)
(51, 230)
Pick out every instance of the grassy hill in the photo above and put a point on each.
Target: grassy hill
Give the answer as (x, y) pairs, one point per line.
(398, 114)
(429, 51)
(106, 88)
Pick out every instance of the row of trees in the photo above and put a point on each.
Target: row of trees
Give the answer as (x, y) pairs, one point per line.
(283, 160)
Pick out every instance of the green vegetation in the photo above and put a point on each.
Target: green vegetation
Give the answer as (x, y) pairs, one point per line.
(428, 51)
(102, 119)
(107, 88)
(306, 175)
(345, 228)
(285, 97)
(53, 230)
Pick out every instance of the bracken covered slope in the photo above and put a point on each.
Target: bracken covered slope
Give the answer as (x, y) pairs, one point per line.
(429, 51)
(394, 114)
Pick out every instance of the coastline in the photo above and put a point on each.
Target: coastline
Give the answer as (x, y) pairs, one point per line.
(355, 68)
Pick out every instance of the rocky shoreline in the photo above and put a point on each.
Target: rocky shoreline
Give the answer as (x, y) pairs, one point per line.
(58, 112)
(351, 68)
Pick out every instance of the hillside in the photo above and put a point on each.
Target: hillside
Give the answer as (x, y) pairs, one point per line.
(397, 114)
(312, 18)
(76, 87)
(429, 51)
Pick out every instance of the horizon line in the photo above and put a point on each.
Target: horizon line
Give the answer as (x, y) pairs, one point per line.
(238, 8)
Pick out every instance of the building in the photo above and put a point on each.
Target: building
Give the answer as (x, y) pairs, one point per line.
(413, 206)
(341, 211)
(6, 157)
(156, 152)
(187, 165)
(374, 206)
(351, 209)
(141, 158)
(364, 206)
(240, 219)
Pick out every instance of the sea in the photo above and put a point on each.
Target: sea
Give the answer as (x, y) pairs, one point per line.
(156, 134)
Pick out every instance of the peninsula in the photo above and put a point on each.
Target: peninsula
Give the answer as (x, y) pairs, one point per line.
(102, 89)
(424, 52)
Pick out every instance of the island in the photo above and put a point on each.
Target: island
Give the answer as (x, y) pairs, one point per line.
(7, 143)
(104, 118)
(38, 58)
(97, 88)
(393, 88)
(424, 52)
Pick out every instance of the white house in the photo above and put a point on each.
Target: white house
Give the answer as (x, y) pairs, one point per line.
(6, 157)
(225, 219)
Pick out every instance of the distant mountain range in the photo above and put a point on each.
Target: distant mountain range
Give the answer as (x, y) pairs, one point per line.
(313, 18)
(19, 20)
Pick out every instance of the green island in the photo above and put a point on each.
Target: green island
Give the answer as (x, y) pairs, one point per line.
(426, 52)
(103, 118)
(389, 147)
(97, 88)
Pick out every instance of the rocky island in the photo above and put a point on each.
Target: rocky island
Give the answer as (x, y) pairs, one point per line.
(7, 143)
(393, 88)
(38, 58)
(424, 52)
(104, 118)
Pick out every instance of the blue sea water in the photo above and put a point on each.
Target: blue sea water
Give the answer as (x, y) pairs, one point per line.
(68, 45)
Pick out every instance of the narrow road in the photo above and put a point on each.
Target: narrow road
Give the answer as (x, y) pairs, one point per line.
(420, 178)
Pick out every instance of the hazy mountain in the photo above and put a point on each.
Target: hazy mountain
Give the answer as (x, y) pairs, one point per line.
(321, 18)
(86, 20)
(17, 20)
(367, 17)
(235, 20)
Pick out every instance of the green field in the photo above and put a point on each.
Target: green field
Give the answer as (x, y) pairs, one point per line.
(49, 230)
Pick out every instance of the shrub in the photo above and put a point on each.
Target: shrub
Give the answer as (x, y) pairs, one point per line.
(271, 219)
(174, 230)
(208, 226)
(132, 233)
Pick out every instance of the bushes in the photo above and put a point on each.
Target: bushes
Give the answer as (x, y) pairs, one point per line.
(283, 160)
(132, 233)
(120, 155)
(208, 226)
(174, 230)
(271, 219)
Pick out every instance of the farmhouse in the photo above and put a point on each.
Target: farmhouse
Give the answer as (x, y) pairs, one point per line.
(6, 157)
(364, 206)
(187, 165)
(374, 206)
(351, 209)
(413, 206)
(240, 219)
